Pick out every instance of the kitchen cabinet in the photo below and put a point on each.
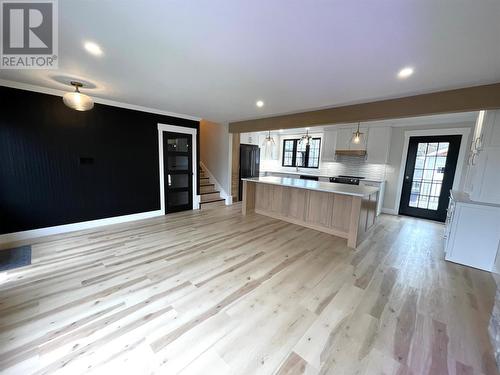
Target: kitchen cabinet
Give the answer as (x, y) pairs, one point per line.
(381, 186)
(472, 232)
(378, 145)
(329, 145)
(483, 179)
(478, 132)
(250, 138)
(343, 139)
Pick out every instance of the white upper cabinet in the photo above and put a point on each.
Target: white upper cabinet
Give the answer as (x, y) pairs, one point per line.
(250, 138)
(328, 145)
(483, 177)
(343, 140)
(379, 140)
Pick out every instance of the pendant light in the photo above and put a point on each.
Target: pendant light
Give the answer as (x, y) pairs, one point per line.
(306, 138)
(76, 100)
(357, 136)
(268, 141)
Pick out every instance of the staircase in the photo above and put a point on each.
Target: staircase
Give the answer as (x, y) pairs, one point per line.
(209, 197)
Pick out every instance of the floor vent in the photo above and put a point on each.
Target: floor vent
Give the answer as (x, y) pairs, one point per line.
(15, 257)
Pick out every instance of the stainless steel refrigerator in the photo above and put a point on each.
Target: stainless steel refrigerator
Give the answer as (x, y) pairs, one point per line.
(249, 164)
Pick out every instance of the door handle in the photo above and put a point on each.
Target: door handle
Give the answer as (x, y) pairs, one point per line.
(169, 180)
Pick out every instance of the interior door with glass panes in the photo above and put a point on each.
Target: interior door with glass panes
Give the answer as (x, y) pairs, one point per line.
(178, 171)
(429, 174)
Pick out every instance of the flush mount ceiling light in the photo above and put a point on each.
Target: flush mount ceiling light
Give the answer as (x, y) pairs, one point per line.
(405, 72)
(76, 100)
(259, 103)
(306, 138)
(268, 141)
(357, 136)
(93, 48)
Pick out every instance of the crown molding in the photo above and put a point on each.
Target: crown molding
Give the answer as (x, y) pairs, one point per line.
(113, 103)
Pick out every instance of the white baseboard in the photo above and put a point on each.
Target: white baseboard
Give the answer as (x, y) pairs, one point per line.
(227, 197)
(34, 233)
(389, 211)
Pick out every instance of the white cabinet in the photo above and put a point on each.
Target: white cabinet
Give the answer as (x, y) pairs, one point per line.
(379, 140)
(381, 186)
(483, 177)
(472, 234)
(250, 138)
(343, 141)
(329, 145)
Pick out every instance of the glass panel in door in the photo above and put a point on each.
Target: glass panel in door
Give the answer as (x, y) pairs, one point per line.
(178, 171)
(428, 174)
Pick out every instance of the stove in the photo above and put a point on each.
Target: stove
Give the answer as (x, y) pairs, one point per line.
(350, 180)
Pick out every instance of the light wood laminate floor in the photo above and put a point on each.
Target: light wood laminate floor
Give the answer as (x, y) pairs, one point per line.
(213, 292)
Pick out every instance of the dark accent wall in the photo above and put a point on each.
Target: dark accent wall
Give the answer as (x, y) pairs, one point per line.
(60, 166)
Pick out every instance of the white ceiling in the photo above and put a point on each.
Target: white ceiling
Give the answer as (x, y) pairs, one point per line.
(214, 59)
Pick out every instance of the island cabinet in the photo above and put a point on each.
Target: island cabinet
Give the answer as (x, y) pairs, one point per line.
(342, 210)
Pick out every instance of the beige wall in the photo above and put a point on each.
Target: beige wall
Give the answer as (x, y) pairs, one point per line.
(214, 151)
(396, 152)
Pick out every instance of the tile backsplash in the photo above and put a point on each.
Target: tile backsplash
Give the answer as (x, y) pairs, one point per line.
(345, 165)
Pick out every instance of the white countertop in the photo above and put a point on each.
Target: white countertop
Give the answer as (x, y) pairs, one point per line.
(463, 197)
(328, 187)
(319, 175)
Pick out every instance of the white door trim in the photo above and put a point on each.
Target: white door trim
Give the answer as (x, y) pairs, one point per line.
(464, 132)
(177, 129)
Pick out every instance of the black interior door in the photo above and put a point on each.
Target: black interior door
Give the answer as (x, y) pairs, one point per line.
(429, 174)
(178, 171)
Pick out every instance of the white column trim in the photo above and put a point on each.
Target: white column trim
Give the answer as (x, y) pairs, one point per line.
(177, 129)
(464, 132)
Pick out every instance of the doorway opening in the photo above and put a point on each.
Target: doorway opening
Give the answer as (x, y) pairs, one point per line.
(429, 174)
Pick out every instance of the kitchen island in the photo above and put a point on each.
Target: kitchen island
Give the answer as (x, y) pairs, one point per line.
(347, 211)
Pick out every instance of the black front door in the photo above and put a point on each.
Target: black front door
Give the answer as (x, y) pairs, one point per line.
(429, 174)
(178, 171)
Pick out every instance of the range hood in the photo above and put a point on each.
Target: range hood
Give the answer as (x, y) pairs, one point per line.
(350, 152)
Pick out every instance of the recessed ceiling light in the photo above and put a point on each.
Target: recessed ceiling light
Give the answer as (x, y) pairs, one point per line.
(259, 103)
(93, 48)
(405, 72)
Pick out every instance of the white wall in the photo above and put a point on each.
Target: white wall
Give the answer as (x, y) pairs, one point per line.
(215, 151)
(396, 151)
